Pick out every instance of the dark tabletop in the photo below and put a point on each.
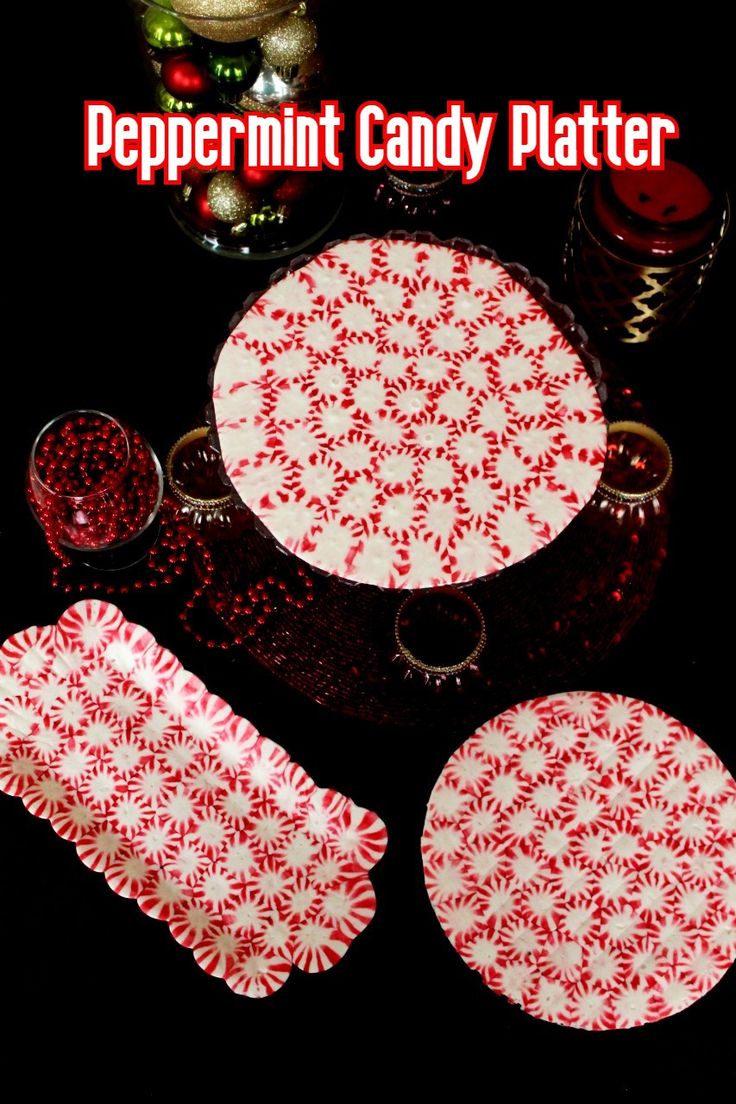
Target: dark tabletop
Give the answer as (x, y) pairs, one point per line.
(117, 310)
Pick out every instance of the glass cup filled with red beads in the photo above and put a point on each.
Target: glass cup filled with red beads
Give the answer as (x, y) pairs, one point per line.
(241, 57)
(95, 486)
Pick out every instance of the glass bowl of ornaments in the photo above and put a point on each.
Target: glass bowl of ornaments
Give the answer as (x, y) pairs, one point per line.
(240, 57)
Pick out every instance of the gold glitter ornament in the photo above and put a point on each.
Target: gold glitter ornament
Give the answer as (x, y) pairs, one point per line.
(228, 199)
(290, 43)
(246, 103)
(230, 20)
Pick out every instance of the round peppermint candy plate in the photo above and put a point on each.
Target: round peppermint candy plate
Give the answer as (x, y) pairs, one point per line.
(580, 854)
(403, 413)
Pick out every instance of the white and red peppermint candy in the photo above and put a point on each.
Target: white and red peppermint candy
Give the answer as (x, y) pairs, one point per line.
(580, 853)
(179, 803)
(406, 415)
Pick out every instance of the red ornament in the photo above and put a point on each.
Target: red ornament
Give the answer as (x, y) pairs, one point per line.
(184, 78)
(294, 188)
(200, 205)
(256, 180)
(193, 176)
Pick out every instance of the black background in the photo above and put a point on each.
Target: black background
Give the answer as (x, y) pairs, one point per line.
(113, 308)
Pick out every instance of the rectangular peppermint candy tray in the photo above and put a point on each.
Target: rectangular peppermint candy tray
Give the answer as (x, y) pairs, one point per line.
(180, 803)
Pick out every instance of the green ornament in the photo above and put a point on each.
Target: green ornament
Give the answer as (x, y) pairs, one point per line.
(163, 30)
(268, 215)
(168, 102)
(237, 69)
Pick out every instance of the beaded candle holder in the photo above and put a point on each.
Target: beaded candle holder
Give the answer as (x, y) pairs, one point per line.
(439, 636)
(193, 475)
(95, 487)
(636, 476)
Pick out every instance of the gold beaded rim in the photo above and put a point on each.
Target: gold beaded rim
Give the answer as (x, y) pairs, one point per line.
(430, 668)
(655, 438)
(190, 500)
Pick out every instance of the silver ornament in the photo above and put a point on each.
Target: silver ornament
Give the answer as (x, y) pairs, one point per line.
(229, 201)
(270, 89)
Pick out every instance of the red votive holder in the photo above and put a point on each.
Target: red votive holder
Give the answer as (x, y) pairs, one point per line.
(640, 246)
(202, 498)
(95, 487)
(636, 476)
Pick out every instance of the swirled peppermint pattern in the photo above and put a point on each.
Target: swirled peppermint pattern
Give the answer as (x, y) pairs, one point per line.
(580, 853)
(180, 803)
(406, 415)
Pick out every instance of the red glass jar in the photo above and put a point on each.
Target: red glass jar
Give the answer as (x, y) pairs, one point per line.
(640, 246)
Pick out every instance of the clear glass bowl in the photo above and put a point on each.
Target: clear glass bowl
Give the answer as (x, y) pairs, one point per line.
(95, 487)
(236, 57)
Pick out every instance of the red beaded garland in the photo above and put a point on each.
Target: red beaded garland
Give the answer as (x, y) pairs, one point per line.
(169, 555)
(242, 613)
(92, 462)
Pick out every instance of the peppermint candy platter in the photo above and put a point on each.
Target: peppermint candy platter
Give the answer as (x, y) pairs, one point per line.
(403, 413)
(580, 853)
(180, 803)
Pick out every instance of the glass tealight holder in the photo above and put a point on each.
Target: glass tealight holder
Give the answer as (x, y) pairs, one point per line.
(193, 477)
(416, 197)
(95, 487)
(439, 637)
(636, 475)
